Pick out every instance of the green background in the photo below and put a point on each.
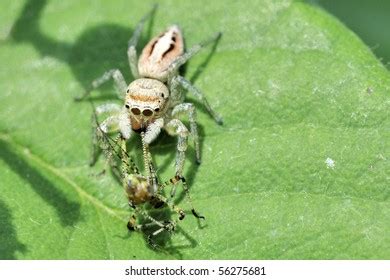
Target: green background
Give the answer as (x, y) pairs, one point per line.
(297, 91)
(368, 18)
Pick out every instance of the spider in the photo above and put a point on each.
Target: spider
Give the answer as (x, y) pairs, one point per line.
(141, 190)
(154, 99)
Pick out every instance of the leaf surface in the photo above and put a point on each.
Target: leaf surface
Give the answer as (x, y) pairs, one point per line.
(299, 170)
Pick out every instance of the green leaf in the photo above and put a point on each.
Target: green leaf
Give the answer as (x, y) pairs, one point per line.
(299, 170)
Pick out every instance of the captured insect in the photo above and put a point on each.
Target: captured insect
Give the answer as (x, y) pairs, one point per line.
(140, 189)
(143, 189)
(155, 99)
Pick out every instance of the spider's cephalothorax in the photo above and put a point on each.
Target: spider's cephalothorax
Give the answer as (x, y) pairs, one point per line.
(146, 100)
(155, 99)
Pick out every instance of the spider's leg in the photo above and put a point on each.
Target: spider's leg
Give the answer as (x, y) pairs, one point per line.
(199, 95)
(131, 50)
(190, 110)
(176, 91)
(119, 81)
(180, 60)
(176, 127)
(99, 131)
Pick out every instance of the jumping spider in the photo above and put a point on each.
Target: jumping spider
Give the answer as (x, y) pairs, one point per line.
(154, 99)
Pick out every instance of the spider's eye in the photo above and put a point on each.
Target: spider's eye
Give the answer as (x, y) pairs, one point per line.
(157, 109)
(147, 112)
(135, 111)
(127, 106)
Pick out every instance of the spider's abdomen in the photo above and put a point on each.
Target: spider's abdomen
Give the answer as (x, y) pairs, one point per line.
(159, 53)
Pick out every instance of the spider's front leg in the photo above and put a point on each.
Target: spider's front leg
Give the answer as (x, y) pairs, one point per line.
(176, 128)
(190, 110)
(99, 131)
(173, 127)
(151, 133)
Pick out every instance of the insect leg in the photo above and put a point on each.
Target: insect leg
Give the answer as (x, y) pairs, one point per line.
(200, 96)
(132, 224)
(190, 110)
(171, 205)
(176, 127)
(164, 225)
(174, 181)
(152, 131)
(131, 50)
(119, 81)
(179, 61)
(128, 165)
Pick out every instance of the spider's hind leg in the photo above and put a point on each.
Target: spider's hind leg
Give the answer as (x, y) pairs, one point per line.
(182, 59)
(131, 50)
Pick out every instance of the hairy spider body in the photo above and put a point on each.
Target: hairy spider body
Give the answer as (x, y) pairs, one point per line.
(154, 100)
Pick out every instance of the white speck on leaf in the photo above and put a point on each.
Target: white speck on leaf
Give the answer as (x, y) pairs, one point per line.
(258, 92)
(330, 163)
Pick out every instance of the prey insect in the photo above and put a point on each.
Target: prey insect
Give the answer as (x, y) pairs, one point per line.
(155, 99)
(142, 190)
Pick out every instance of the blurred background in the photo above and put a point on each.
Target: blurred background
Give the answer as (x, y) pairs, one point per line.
(370, 19)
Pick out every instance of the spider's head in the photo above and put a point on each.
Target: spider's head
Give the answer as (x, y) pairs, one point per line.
(145, 101)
